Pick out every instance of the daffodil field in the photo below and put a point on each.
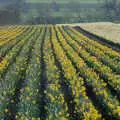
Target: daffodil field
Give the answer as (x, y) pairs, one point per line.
(56, 73)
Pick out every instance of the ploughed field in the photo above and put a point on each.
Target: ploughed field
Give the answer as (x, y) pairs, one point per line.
(56, 73)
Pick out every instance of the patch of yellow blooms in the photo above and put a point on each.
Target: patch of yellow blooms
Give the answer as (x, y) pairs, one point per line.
(4, 63)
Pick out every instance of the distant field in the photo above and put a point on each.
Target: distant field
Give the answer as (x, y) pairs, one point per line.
(107, 30)
(63, 1)
(66, 1)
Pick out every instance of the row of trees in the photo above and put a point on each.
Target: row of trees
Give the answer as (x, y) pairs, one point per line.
(44, 13)
(11, 13)
(112, 7)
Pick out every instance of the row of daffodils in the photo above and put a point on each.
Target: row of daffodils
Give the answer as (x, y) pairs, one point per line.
(106, 55)
(105, 72)
(56, 73)
(6, 36)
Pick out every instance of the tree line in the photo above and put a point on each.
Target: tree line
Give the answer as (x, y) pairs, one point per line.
(112, 6)
(12, 15)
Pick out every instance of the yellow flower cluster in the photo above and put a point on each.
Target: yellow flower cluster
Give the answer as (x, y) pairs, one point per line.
(72, 63)
(11, 80)
(28, 108)
(92, 78)
(56, 106)
(9, 35)
(3, 63)
(12, 55)
(104, 71)
(76, 83)
(108, 56)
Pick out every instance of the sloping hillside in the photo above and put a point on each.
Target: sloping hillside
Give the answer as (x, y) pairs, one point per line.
(106, 30)
(109, 31)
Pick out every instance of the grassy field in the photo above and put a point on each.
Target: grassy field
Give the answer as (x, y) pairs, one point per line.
(56, 73)
(106, 30)
(109, 31)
